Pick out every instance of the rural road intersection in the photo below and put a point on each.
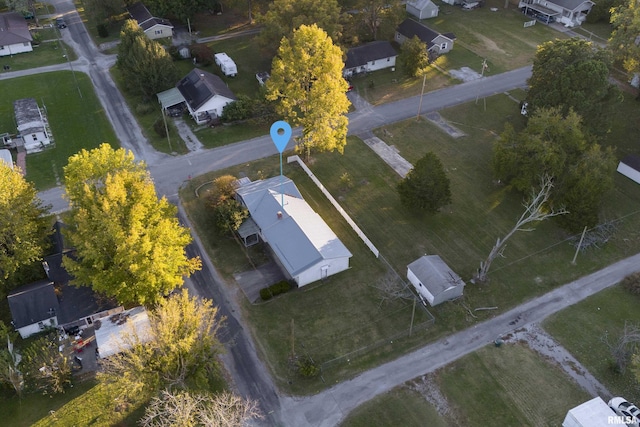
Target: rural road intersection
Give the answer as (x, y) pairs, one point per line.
(329, 407)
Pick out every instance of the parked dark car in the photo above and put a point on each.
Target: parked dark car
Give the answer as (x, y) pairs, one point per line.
(60, 23)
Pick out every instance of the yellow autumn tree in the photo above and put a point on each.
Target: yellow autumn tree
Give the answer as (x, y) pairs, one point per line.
(129, 243)
(307, 85)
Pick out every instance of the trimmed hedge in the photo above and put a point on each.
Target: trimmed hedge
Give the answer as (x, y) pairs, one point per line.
(273, 290)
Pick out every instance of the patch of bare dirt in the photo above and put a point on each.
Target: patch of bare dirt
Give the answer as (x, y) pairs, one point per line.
(427, 387)
(540, 341)
(489, 44)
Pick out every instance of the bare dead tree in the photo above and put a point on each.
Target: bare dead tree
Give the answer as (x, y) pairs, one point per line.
(182, 408)
(392, 288)
(535, 210)
(627, 344)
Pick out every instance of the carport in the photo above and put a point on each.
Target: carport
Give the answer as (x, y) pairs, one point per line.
(170, 98)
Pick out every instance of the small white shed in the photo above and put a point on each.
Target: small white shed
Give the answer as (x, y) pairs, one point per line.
(630, 167)
(422, 9)
(434, 280)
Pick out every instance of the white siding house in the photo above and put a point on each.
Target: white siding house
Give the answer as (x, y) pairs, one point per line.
(14, 34)
(434, 281)
(437, 44)
(34, 308)
(304, 246)
(369, 57)
(422, 9)
(569, 13)
(154, 28)
(593, 413)
(32, 125)
(630, 167)
(205, 95)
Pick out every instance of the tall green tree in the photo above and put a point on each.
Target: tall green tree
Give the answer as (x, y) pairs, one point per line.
(45, 368)
(426, 188)
(183, 349)
(555, 145)
(307, 85)
(146, 66)
(377, 15)
(23, 229)
(574, 74)
(9, 360)
(284, 16)
(624, 41)
(414, 58)
(129, 244)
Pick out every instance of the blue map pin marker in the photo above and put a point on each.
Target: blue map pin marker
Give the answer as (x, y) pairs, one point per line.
(279, 140)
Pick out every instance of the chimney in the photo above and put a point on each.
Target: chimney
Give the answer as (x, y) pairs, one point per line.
(279, 214)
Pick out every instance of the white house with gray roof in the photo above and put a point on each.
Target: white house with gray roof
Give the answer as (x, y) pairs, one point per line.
(422, 9)
(14, 34)
(569, 13)
(153, 27)
(205, 95)
(304, 246)
(434, 281)
(32, 125)
(369, 57)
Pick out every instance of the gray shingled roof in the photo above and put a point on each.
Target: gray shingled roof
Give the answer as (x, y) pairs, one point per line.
(33, 303)
(570, 4)
(27, 115)
(145, 19)
(200, 86)
(410, 28)
(434, 274)
(633, 161)
(13, 29)
(361, 55)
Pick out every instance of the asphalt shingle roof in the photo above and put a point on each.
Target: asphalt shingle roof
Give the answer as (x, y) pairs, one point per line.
(373, 51)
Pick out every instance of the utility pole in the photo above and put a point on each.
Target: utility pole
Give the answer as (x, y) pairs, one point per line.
(424, 81)
(579, 245)
(166, 128)
(484, 67)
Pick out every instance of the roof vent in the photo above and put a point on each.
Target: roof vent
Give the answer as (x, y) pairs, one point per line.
(279, 214)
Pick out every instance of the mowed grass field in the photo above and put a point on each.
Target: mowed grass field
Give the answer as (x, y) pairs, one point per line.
(75, 115)
(507, 386)
(582, 327)
(326, 315)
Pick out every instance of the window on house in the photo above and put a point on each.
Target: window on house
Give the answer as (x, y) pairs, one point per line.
(443, 46)
(373, 62)
(25, 44)
(34, 136)
(40, 325)
(158, 31)
(388, 59)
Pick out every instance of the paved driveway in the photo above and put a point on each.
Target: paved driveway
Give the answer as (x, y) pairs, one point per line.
(253, 280)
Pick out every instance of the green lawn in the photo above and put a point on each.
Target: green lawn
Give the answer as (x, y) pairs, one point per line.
(399, 407)
(509, 386)
(45, 53)
(462, 234)
(580, 329)
(76, 121)
(87, 403)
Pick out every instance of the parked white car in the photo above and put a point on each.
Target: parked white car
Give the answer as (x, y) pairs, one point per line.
(629, 411)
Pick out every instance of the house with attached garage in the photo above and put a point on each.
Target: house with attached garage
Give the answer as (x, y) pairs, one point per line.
(154, 28)
(437, 44)
(422, 9)
(434, 281)
(303, 245)
(369, 57)
(14, 34)
(205, 95)
(569, 13)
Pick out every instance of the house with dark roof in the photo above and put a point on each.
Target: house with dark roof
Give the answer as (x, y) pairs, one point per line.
(54, 302)
(34, 308)
(434, 281)
(437, 43)
(154, 28)
(422, 9)
(569, 13)
(205, 95)
(372, 56)
(14, 34)
(305, 247)
(32, 125)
